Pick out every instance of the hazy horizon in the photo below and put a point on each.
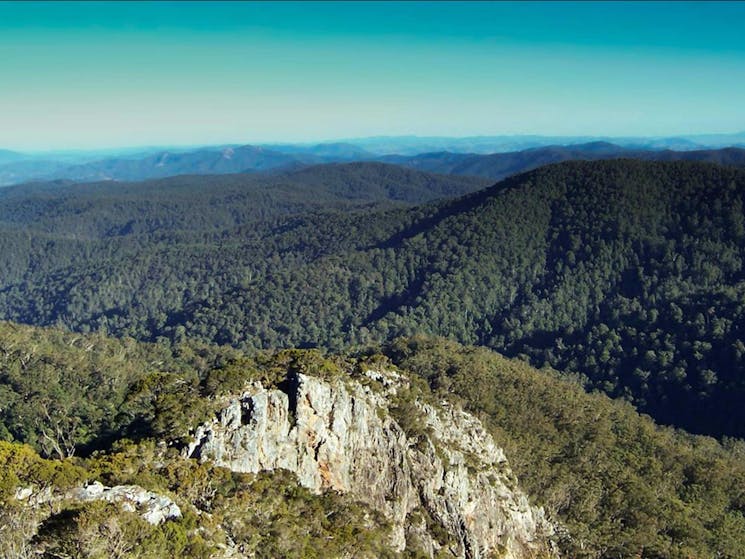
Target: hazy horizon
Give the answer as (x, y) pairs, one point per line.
(133, 148)
(92, 75)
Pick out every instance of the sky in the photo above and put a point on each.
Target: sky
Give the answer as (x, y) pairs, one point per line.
(98, 75)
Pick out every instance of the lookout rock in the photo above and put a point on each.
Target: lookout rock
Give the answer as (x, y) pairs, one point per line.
(442, 482)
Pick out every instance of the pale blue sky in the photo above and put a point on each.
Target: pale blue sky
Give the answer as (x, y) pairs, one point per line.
(95, 75)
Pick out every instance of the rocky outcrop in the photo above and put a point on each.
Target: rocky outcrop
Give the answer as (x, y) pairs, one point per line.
(153, 507)
(444, 484)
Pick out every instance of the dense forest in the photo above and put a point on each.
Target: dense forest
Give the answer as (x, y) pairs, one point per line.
(215, 203)
(622, 486)
(628, 272)
(616, 484)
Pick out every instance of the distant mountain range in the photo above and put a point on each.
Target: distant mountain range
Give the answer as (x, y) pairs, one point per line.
(7, 156)
(167, 164)
(413, 145)
(492, 157)
(500, 165)
(207, 161)
(336, 150)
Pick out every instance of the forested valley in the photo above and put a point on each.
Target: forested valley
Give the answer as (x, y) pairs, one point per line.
(627, 272)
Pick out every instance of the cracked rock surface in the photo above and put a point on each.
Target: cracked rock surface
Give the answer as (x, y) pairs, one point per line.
(337, 435)
(151, 506)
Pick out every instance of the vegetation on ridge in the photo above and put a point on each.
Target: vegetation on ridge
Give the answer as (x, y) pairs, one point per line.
(628, 272)
(621, 486)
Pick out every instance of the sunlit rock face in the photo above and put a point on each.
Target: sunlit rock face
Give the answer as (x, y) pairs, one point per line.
(340, 435)
(151, 506)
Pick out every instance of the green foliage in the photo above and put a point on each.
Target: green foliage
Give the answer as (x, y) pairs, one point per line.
(61, 391)
(275, 517)
(276, 366)
(229, 379)
(405, 409)
(623, 486)
(169, 406)
(268, 515)
(67, 394)
(20, 466)
(101, 530)
(409, 416)
(628, 272)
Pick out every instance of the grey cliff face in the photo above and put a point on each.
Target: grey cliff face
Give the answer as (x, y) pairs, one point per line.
(341, 435)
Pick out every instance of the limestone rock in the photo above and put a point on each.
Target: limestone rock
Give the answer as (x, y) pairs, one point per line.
(153, 507)
(340, 435)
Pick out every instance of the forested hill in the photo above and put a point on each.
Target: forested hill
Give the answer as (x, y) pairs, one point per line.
(215, 202)
(497, 166)
(629, 272)
(380, 181)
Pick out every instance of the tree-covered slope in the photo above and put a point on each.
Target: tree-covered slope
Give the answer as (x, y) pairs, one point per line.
(628, 272)
(380, 181)
(216, 202)
(615, 484)
(622, 486)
